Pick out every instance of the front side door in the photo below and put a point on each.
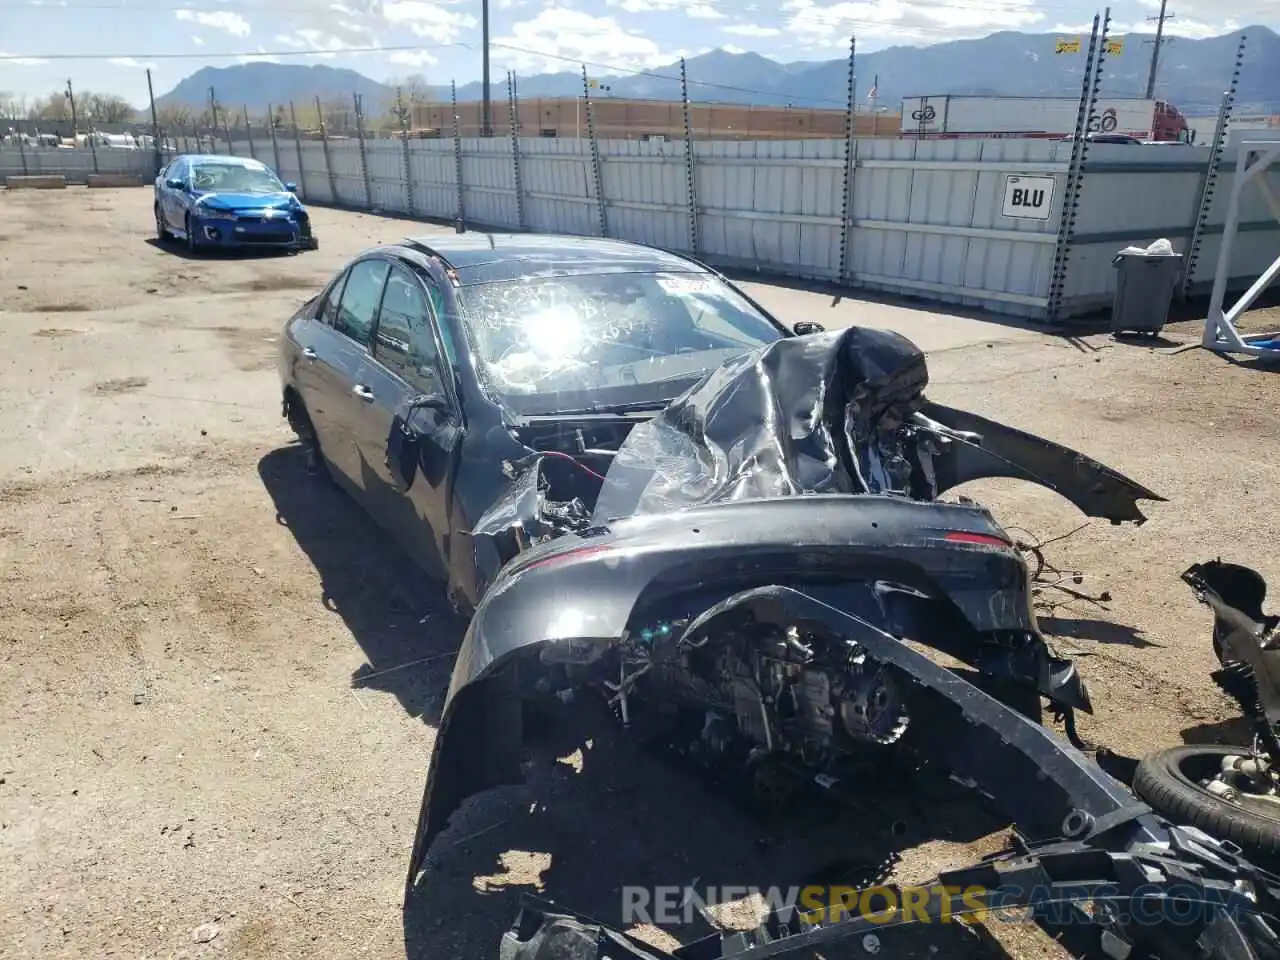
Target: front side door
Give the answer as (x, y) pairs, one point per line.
(410, 433)
(170, 199)
(342, 370)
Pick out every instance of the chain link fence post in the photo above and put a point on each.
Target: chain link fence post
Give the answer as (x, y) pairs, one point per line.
(22, 152)
(297, 144)
(460, 215)
(850, 159)
(275, 141)
(690, 164)
(324, 147)
(597, 174)
(358, 101)
(93, 145)
(1085, 115)
(407, 168)
(513, 116)
(1209, 182)
(248, 131)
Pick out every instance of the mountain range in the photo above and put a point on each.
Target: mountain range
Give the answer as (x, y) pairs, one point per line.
(1193, 74)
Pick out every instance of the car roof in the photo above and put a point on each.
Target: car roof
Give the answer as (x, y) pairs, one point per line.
(490, 257)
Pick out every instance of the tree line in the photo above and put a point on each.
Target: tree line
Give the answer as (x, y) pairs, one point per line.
(338, 114)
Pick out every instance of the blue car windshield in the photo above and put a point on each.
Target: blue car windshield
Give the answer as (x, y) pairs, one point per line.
(235, 178)
(547, 345)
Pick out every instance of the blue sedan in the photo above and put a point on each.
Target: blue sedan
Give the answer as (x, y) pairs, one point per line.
(214, 201)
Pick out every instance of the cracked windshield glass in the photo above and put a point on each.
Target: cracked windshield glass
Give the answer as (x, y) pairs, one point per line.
(606, 339)
(235, 178)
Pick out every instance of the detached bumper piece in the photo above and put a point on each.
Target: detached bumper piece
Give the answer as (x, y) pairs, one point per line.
(1186, 899)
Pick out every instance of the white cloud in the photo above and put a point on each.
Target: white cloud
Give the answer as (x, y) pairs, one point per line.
(198, 41)
(11, 60)
(287, 41)
(131, 63)
(751, 30)
(909, 21)
(413, 58)
(732, 48)
(558, 38)
(233, 23)
(697, 9)
(428, 19)
(1189, 29)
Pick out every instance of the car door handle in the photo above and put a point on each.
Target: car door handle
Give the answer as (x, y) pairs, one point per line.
(309, 353)
(363, 392)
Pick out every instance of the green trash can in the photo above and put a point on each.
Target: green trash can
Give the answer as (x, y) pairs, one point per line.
(1145, 283)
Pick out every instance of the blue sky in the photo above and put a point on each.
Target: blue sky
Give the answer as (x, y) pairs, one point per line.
(176, 38)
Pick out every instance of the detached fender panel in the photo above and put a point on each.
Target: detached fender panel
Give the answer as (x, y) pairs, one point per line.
(1096, 489)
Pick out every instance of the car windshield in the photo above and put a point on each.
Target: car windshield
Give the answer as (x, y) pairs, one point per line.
(235, 178)
(549, 345)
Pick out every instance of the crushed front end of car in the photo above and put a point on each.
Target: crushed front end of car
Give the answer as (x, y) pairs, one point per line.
(756, 580)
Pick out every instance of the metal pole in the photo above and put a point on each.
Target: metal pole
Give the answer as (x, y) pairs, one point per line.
(71, 98)
(850, 145)
(407, 167)
(690, 169)
(324, 142)
(512, 115)
(1155, 50)
(213, 116)
(155, 126)
(1209, 182)
(22, 151)
(93, 147)
(358, 101)
(486, 109)
(226, 128)
(460, 216)
(248, 131)
(596, 172)
(297, 143)
(1085, 114)
(275, 143)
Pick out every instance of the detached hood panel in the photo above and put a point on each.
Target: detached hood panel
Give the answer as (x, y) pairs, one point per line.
(841, 412)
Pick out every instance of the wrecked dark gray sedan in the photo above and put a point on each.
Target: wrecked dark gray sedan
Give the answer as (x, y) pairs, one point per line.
(646, 491)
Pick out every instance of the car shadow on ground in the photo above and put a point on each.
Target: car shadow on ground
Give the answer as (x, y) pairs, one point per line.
(178, 248)
(1099, 631)
(397, 615)
(602, 817)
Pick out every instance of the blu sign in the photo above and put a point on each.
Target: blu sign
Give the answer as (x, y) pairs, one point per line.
(1028, 198)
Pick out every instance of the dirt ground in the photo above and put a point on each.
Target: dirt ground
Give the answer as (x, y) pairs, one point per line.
(211, 745)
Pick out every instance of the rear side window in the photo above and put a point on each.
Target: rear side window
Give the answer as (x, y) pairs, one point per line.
(329, 309)
(360, 298)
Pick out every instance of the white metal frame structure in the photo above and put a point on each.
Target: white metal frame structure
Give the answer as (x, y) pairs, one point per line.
(1255, 159)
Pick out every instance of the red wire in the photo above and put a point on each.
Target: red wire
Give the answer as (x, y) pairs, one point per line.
(573, 460)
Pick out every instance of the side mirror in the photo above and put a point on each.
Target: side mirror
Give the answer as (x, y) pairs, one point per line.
(428, 401)
(806, 327)
(173, 183)
(291, 187)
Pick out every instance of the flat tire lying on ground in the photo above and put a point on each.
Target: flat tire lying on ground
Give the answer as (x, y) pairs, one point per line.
(1169, 781)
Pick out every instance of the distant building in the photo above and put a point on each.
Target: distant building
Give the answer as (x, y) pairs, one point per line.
(618, 119)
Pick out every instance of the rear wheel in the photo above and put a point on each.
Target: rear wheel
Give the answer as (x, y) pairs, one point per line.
(300, 423)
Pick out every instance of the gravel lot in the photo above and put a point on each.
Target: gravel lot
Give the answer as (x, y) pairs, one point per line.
(204, 733)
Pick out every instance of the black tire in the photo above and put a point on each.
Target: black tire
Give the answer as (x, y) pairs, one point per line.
(193, 247)
(162, 234)
(1168, 781)
(313, 457)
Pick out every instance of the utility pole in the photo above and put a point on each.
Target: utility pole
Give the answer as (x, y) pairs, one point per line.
(1156, 44)
(71, 99)
(486, 117)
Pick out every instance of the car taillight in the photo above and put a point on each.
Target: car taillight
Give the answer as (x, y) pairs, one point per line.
(985, 539)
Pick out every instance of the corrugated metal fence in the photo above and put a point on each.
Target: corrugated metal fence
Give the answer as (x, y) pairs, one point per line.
(968, 222)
